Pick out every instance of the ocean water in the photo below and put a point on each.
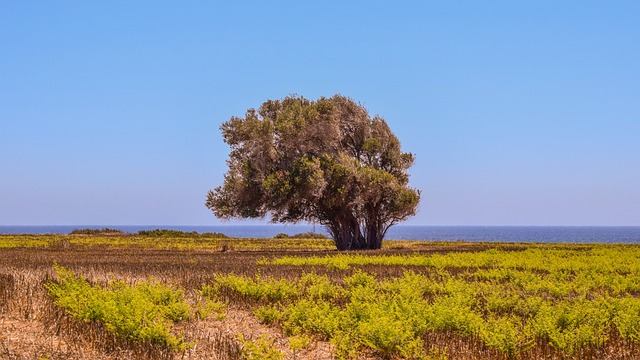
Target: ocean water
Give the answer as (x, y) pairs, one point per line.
(543, 234)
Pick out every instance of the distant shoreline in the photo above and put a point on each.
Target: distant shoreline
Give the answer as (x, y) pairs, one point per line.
(518, 234)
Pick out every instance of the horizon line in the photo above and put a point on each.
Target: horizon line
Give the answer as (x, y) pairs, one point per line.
(311, 225)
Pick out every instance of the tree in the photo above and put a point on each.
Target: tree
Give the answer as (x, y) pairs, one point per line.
(325, 161)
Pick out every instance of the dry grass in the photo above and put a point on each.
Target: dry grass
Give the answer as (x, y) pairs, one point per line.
(32, 327)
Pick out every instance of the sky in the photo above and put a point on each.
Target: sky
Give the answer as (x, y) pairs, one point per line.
(518, 113)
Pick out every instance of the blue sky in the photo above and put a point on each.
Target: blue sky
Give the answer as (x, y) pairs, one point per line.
(518, 113)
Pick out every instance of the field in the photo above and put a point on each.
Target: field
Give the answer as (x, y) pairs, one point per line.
(119, 296)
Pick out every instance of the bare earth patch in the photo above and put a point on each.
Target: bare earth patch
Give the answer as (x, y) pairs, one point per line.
(28, 339)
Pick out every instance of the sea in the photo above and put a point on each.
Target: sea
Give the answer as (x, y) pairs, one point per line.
(517, 234)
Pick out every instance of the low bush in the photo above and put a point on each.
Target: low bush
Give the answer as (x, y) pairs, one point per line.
(259, 349)
(143, 312)
(102, 231)
(304, 235)
(180, 234)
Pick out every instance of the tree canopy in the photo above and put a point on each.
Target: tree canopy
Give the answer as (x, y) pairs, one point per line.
(325, 161)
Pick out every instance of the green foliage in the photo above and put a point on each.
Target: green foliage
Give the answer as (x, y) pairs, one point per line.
(182, 243)
(311, 307)
(318, 316)
(259, 289)
(299, 342)
(210, 303)
(568, 297)
(143, 312)
(208, 306)
(304, 235)
(259, 349)
(326, 161)
(268, 314)
(95, 231)
(318, 287)
(180, 234)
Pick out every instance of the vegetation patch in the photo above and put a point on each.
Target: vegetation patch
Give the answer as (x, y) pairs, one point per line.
(181, 234)
(570, 300)
(413, 300)
(201, 241)
(304, 235)
(103, 231)
(259, 349)
(145, 312)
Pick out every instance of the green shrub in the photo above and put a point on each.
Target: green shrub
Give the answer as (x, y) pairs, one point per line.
(268, 314)
(142, 312)
(258, 289)
(299, 342)
(180, 234)
(571, 298)
(304, 235)
(95, 231)
(259, 349)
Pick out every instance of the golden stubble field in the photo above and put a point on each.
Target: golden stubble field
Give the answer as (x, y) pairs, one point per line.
(298, 299)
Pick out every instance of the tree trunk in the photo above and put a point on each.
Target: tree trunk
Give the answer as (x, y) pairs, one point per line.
(346, 233)
(359, 240)
(349, 235)
(375, 235)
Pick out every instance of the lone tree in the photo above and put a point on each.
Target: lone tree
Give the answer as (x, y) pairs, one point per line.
(325, 161)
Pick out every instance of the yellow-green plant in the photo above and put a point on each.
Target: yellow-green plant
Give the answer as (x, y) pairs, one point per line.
(143, 312)
(569, 297)
(259, 349)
